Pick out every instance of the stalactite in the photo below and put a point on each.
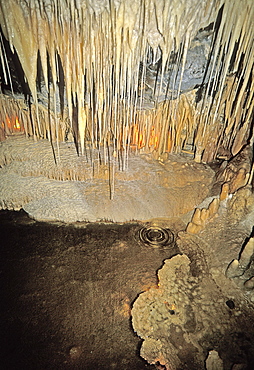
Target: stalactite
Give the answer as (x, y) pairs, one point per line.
(103, 52)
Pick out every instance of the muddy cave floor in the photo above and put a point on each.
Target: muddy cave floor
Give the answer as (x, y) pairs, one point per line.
(66, 293)
(67, 290)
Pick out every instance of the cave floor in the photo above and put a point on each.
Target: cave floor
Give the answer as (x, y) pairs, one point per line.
(67, 290)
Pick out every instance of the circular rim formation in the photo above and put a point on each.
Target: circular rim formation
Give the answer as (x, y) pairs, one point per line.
(156, 236)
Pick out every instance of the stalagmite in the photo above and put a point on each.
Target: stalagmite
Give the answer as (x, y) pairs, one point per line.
(240, 180)
(238, 268)
(202, 216)
(233, 269)
(224, 191)
(146, 99)
(213, 207)
(118, 78)
(247, 253)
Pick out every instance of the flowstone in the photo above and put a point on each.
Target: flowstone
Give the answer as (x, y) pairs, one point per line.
(191, 312)
(77, 190)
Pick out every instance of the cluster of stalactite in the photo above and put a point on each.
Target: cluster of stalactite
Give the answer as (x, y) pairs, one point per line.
(92, 52)
(16, 116)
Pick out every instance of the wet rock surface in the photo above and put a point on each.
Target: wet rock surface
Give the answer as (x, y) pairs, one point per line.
(67, 291)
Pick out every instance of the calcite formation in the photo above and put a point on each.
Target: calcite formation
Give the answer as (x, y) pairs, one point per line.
(115, 72)
(125, 87)
(233, 175)
(79, 191)
(191, 312)
(202, 216)
(241, 270)
(123, 77)
(198, 301)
